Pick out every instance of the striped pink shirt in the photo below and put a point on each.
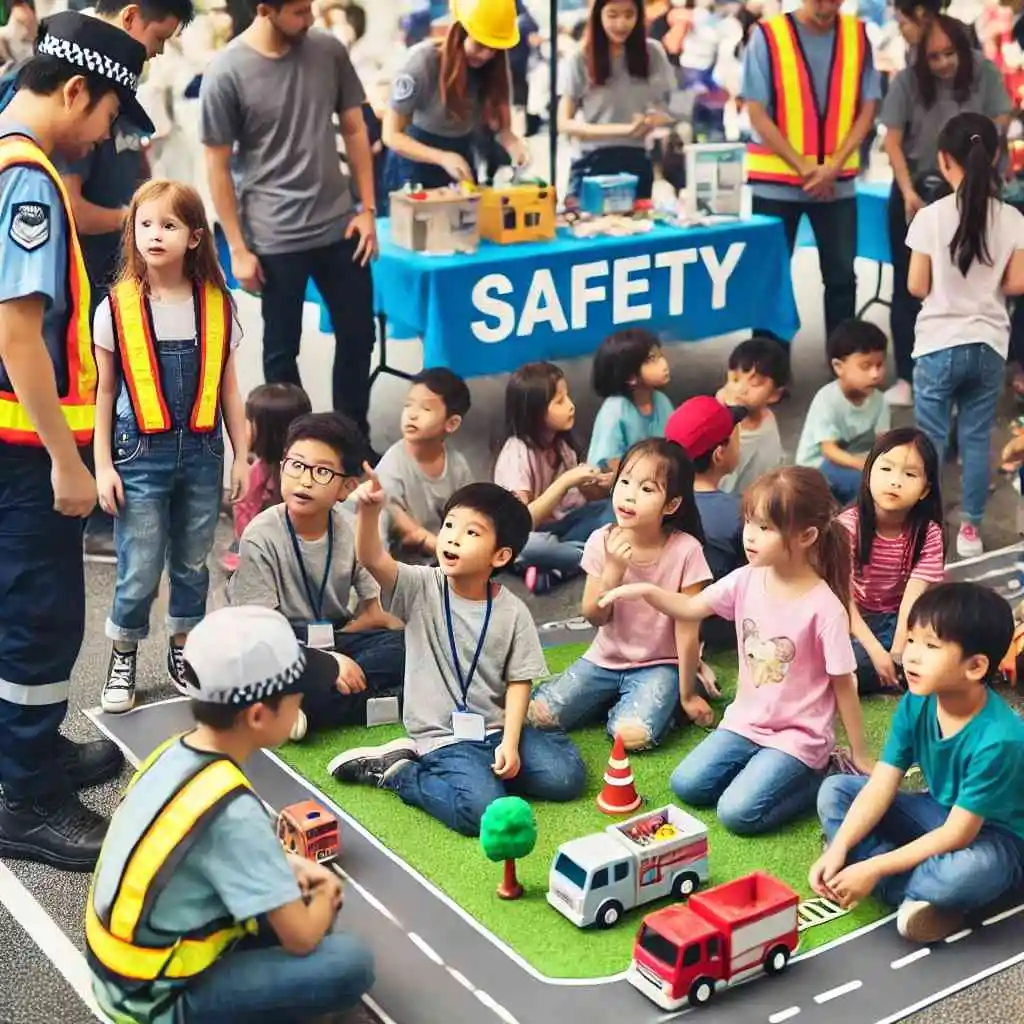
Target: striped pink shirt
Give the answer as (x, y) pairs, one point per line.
(878, 587)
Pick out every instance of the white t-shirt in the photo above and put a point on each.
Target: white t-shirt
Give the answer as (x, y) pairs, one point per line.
(172, 321)
(962, 310)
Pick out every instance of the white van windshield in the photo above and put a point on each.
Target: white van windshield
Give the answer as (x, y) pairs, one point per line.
(571, 870)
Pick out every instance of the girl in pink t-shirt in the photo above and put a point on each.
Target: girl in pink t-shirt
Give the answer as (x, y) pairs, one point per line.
(895, 531)
(641, 665)
(539, 463)
(764, 763)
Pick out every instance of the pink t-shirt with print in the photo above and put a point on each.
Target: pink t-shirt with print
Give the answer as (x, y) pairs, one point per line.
(637, 634)
(788, 650)
(521, 467)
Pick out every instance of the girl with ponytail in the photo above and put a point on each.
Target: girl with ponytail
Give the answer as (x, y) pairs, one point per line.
(967, 255)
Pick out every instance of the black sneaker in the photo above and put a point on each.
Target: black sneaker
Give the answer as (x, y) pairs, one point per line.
(373, 766)
(119, 690)
(58, 831)
(88, 764)
(176, 668)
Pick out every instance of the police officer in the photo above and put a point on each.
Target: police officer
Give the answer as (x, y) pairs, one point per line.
(84, 72)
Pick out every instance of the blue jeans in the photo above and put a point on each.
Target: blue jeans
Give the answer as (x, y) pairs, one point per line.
(754, 789)
(972, 377)
(967, 879)
(844, 481)
(257, 983)
(559, 544)
(642, 701)
(883, 626)
(455, 784)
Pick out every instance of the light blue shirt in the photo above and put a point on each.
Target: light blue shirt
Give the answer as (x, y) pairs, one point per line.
(758, 88)
(620, 424)
(33, 252)
(833, 417)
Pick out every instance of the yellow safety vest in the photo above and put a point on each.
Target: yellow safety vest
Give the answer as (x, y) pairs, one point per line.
(133, 325)
(78, 402)
(111, 931)
(816, 134)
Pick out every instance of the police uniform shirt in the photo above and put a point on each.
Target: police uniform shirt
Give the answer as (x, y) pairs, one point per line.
(622, 98)
(416, 94)
(34, 253)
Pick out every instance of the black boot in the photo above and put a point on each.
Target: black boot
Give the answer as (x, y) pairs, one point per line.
(82, 765)
(57, 831)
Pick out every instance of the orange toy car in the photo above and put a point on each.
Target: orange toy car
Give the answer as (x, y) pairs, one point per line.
(308, 830)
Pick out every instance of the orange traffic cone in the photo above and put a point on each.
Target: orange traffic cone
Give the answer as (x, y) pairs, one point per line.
(619, 795)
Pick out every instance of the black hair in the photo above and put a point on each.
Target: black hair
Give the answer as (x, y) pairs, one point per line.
(764, 356)
(151, 10)
(972, 142)
(702, 463)
(527, 396)
(908, 8)
(676, 476)
(965, 71)
(919, 518)
(968, 614)
(272, 408)
(355, 15)
(448, 386)
(222, 717)
(338, 432)
(619, 360)
(510, 518)
(855, 337)
(43, 75)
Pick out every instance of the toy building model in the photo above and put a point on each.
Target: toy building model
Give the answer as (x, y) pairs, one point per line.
(729, 933)
(440, 221)
(602, 194)
(597, 878)
(518, 213)
(309, 831)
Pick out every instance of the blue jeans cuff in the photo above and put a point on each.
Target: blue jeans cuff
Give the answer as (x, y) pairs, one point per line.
(125, 635)
(182, 625)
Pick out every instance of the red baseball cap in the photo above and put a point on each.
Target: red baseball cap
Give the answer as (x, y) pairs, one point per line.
(703, 423)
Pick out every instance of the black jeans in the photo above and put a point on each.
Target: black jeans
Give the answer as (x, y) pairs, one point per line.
(904, 310)
(835, 231)
(347, 291)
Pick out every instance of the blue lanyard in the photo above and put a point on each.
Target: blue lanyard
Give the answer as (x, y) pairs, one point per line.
(316, 603)
(464, 682)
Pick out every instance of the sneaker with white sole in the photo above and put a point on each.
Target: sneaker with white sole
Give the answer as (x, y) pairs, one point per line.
(373, 766)
(968, 541)
(176, 668)
(300, 727)
(119, 690)
(919, 921)
(900, 395)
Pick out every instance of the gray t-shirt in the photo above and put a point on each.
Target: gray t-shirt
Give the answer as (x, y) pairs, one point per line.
(760, 452)
(622, 98)
(511, 653)
(279, 112)
(410, 489)
(921, 125)
(416, 94)
(268, 573)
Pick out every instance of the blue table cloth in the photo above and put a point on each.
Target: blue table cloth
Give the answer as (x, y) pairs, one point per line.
(872, 222)
(512, 304)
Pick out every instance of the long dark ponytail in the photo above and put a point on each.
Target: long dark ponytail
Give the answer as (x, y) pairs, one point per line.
(972, 142)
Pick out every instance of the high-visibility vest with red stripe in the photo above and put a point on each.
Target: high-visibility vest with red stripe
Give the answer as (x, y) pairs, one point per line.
(817, 134)
(136, 339)
(76, 365)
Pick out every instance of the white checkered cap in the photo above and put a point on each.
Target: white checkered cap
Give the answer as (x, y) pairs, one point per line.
(244, 654)
(88, 60)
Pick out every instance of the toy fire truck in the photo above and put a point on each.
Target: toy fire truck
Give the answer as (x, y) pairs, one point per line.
(308, 830)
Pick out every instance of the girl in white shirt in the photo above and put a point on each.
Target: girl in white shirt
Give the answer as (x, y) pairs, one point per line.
(967, 255)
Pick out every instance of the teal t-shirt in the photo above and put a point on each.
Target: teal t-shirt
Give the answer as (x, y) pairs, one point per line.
(978, 770)
(620, 424)
(833, 417)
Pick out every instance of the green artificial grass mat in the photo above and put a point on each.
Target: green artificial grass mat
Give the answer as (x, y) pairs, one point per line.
(538, 933)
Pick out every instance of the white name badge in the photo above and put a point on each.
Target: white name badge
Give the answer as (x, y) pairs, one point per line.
(382, 711)
(467, 725)
(320, 635)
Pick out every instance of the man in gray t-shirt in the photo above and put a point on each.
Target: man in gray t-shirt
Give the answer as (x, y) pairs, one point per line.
(268, 101)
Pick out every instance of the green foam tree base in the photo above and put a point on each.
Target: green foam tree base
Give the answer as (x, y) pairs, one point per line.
(539, 934)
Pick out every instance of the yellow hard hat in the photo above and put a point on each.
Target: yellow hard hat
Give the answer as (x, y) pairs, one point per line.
(491, 23)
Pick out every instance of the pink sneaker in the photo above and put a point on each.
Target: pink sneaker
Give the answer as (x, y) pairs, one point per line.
(229, 562)
(968, 542)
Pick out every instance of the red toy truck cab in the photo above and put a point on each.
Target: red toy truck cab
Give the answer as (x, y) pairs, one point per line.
(684, 952)
(308, 830)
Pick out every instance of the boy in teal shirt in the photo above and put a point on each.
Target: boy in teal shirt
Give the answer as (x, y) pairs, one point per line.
(957, 848)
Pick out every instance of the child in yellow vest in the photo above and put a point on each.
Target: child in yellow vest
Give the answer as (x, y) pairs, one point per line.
(165, 341)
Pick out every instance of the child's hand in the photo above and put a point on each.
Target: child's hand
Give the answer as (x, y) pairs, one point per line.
(1013, 451)
(350, 676)
(618, 547)
(506, 761)
(239, 479)
(855, 883)
(823, 870)
(698, 710)
(110, 490)
(580, 476)
(369, 492)
(885, 667)
(627, 592)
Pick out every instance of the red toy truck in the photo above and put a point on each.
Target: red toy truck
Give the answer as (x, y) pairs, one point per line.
(684, 952)
(308, 830)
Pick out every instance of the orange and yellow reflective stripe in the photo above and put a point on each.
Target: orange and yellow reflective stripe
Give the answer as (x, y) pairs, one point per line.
(138, 357)
(215, 330)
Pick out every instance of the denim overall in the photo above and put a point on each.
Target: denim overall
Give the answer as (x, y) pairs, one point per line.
(173, 483)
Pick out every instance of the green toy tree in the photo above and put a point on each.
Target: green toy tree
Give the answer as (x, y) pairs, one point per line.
(508, 831)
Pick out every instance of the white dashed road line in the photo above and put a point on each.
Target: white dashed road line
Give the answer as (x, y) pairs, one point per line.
(910, 958)
(957, 936)
(835, 993)
(495, 1008)
(789, 1014)
(996, 918)
(425, 948)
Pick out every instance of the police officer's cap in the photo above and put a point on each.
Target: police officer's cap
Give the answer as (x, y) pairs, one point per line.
(93, 46)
